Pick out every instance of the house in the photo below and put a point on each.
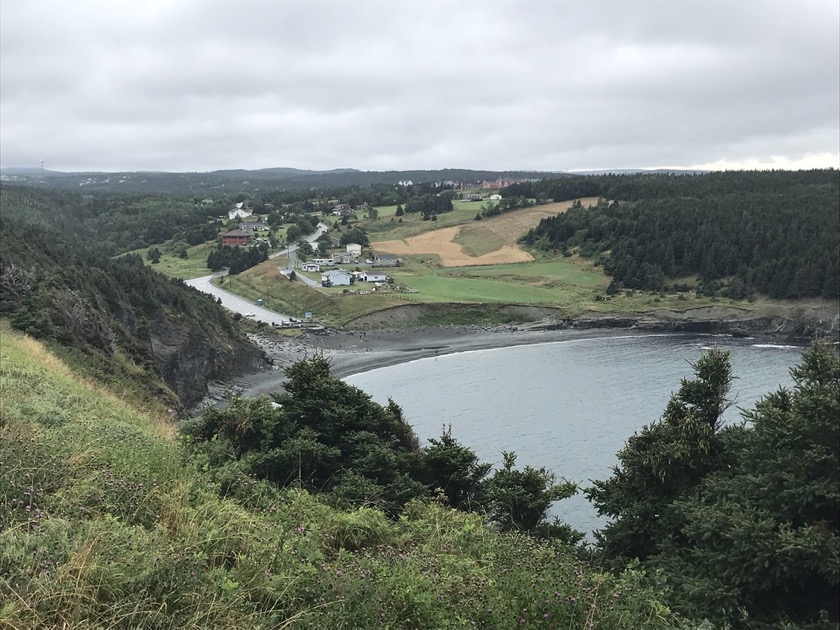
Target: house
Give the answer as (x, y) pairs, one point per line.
(310, 266)
(363, 207)
(239, 213)
(336, 278)
(354, 249)
(473, 197)
(374, 276)
(252, 226)
(500, 183)
(236, 238)
(386, 260)
(495, 197)
(342, 210)
(322, 261)
(343, 258)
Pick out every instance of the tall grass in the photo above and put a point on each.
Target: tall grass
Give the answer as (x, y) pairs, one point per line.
(106, 523)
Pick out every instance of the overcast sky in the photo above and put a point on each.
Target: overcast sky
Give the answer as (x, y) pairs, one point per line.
(197, 85)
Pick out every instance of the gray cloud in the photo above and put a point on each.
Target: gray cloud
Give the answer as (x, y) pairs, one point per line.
(198, 85)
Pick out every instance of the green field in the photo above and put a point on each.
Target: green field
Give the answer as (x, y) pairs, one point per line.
(556, 283)
(572, 285)
(194, 266)
(384, 228)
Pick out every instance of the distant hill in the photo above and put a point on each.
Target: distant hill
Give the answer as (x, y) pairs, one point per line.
(246, 181)
(641, 171)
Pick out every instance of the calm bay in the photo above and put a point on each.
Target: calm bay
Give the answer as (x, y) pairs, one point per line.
(567, 405)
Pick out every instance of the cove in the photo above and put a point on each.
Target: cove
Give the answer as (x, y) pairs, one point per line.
(567, 405)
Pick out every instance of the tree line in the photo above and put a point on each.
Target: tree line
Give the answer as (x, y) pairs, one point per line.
(741, 521)
(739, 234)
(236, 259)
(330, 437)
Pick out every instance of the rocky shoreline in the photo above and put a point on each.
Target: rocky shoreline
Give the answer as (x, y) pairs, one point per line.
(354, 351)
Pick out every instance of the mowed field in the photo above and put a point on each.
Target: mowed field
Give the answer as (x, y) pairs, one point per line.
(488, 242)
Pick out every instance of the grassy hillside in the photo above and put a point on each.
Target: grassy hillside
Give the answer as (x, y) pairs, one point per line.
(106, 523)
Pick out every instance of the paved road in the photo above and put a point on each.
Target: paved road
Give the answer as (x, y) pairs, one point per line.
(235, 303)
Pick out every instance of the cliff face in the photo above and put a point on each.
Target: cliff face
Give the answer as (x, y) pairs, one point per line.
(784, 321)
(793, 322)
(118, 319)
(188, 360)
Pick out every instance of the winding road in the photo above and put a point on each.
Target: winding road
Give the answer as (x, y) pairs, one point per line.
(233, 302)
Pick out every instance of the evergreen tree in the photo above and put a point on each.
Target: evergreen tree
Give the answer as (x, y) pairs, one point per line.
(762, 538)
(664, 462)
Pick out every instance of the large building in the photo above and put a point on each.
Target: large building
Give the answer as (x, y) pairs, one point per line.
(236, 238)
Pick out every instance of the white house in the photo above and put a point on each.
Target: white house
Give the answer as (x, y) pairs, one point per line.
(342, 210)
(495, 197)
(374, 276)
(310, 266)
(239, 213)
(354, 249)
(336, 278)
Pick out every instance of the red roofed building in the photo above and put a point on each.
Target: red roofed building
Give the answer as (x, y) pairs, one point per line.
(236, 237)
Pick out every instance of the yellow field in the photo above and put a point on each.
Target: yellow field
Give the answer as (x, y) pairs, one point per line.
(492, 240)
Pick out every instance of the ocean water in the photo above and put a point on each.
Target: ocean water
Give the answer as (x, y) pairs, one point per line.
(567, 405)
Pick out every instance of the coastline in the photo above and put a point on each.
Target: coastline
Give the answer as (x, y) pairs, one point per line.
(354, 352)
(373, 345)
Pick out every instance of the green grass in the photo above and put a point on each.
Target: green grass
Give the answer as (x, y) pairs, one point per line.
(328, 306)
(479, 240)
(572, 285)
(384, 229)
(194, 266)
(106, 522)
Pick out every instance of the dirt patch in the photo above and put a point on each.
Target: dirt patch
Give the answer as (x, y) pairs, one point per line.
(505, 229)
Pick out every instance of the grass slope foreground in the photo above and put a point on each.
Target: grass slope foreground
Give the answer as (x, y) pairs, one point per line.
(105, 523)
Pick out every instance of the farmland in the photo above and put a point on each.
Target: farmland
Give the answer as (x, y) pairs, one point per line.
(453, 266)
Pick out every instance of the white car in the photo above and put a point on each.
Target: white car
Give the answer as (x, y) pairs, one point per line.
(250, 314)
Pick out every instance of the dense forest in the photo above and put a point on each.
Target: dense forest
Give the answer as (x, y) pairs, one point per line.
(116, 223)
(739, 233)
(123, 222)
(117, 318)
